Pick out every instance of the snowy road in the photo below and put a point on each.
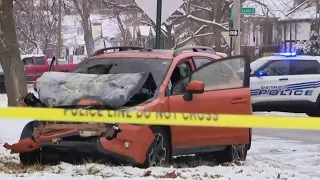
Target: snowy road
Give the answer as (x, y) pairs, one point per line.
(306, 137)
(269, 158)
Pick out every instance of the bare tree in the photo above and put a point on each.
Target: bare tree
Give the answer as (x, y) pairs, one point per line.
(83, 8)
(14, 73)
(123, 8)
(36, 25)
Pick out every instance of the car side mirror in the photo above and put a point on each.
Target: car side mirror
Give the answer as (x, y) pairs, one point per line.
(193, 87)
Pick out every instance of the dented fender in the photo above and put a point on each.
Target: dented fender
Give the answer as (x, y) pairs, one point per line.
(24, 145)
(138, 138)
(132, 142)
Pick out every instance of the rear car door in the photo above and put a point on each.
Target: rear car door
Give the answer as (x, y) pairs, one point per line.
(268, 83)
(304, 80)
(225, 93)
(41, 65)
(28, 64)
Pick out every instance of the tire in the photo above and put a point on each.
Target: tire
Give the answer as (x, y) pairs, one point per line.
(232, 153)
(33, 157)
(159, 154)
(37, 156)
(313, 113)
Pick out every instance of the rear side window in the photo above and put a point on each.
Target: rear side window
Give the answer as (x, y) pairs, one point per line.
(40, 60)
(299, 67)
(199, 62)
(28, 61)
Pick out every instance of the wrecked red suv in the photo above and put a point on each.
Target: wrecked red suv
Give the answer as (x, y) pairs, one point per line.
(186, 80)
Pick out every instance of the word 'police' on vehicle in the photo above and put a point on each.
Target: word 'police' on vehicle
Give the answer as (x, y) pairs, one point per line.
(283, 91)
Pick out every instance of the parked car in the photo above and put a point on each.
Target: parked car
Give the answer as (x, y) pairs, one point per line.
(286, 82)
(60, 61)
(36, 64)
(186, 80)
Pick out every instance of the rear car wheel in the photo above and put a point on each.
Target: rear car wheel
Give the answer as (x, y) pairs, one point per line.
(232, 153)
(313, 114)
(33, 157)
(159, 153)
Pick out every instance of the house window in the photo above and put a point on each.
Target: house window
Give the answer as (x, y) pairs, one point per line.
(79, 31)
(313, 26)
(79, 50)
(267, 29)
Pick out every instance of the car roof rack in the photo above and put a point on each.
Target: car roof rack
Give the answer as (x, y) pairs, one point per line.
(119, 48)
(194, 49)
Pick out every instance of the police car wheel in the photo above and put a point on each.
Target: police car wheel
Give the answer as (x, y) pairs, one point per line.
(313, 114)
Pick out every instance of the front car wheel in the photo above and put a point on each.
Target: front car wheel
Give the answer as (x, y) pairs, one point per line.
(159, 153)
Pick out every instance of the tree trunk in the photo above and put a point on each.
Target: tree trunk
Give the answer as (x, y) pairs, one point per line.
(10, 60)
(169, 40)
(121, 27)
(45, 48)
(217, 31)
(86, 25)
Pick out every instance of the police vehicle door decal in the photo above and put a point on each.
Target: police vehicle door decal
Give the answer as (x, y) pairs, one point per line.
(298, 89)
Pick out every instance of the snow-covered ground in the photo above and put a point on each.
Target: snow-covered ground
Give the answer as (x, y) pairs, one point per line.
(269, 158)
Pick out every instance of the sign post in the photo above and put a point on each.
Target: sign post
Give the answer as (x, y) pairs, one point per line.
(158, 24)
(159, 11)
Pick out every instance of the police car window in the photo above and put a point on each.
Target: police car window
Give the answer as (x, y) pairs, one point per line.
(278, 68)
(200, 61)
(299, 67)
(219, 75)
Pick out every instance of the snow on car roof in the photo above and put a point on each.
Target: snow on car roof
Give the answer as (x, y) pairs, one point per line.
(31, 55)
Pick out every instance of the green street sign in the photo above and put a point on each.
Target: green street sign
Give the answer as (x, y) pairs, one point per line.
(248, 11)
(244, 10)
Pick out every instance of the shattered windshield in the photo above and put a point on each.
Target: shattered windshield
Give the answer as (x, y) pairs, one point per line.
(157, 67)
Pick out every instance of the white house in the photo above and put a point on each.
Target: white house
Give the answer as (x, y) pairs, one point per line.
(280, 23)
(104, 30)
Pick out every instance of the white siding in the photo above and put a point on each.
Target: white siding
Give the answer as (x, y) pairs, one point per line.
(303, 30)
(251, 35)
(98, 44)
(101, 43)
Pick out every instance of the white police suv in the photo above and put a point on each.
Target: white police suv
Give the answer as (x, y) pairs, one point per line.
(286, 82)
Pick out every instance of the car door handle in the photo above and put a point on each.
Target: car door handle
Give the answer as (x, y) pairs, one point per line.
(239, 101)
(283, 79)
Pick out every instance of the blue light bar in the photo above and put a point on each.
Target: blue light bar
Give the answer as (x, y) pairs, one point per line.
(287, 54)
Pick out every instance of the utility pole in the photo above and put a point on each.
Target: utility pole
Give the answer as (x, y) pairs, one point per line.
(236, 26)
(158, 24)
(59, 36)
(317, 18)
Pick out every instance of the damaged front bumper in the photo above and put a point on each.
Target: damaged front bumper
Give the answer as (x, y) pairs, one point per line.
(127, 143)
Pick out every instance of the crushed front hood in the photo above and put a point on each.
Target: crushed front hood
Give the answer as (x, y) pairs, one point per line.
(113, 90)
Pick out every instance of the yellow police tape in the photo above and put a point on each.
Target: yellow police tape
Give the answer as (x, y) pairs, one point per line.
(154, 118)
